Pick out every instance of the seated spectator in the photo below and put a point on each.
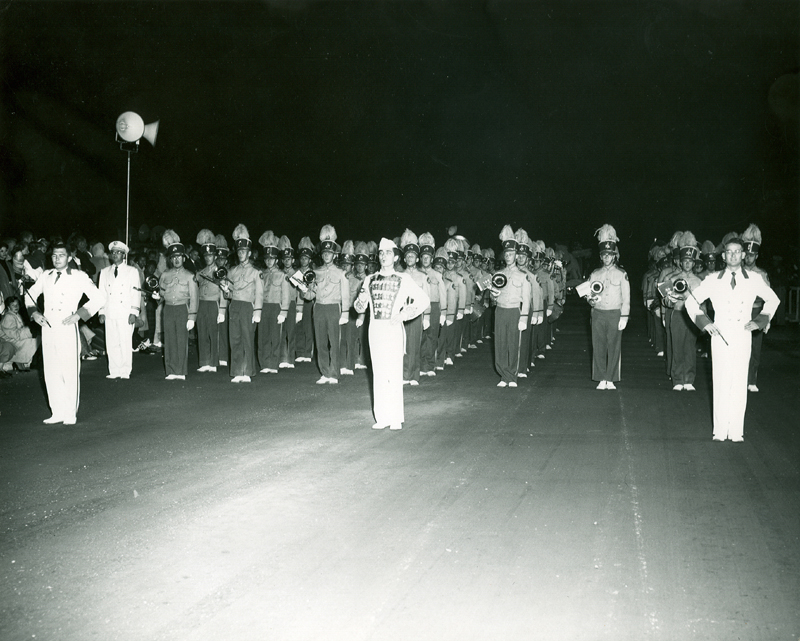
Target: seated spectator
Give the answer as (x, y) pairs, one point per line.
(13, 330)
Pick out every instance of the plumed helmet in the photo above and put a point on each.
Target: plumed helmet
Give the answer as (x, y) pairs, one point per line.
(305, 247)
(752, 238)
(241, 238)
(327, 237)
(426, 243)
(608, 239)
(172, 243)
(507, 239)
(409, 242)
(207, 241)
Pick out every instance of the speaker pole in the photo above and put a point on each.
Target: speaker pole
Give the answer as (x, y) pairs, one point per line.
(128, 203)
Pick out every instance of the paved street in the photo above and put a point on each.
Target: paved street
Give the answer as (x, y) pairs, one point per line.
(203, 510)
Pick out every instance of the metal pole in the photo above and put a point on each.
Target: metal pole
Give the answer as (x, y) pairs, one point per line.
(128, 204)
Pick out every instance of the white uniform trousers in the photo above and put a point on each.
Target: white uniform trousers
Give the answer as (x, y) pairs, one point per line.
(730, 363)
(387, 346)
(119, 336)
(61, 350)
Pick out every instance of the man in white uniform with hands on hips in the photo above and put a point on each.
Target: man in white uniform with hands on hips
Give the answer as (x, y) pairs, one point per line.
(732, 291)
(63, 289)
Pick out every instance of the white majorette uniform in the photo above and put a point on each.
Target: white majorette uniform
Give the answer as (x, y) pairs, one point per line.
(732, 292)
(393, 297)
(60, 343)
(121, 284)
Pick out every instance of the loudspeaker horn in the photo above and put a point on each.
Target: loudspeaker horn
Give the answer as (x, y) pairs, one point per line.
(130, 128)
(150, 132)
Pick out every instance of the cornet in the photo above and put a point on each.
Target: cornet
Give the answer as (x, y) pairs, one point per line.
(597, 287)
(493, 282)
(150, 286)
(680, 286)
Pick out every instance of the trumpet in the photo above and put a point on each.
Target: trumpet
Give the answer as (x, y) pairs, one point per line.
(680, 286)
(150, 286)
(302, 280)
(597, 287)
(493, 282)
(220, 273)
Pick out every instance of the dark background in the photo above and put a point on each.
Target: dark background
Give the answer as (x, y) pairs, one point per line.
(376, 116)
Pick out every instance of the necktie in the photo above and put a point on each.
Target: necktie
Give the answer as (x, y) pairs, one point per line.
(733, 280)
(116, 267)
(58, 275)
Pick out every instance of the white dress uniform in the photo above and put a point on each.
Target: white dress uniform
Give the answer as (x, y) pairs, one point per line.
(60, 343)
(122, 298)
(392, 299)
(732, 311)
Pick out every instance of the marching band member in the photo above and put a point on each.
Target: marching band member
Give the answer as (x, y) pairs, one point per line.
(331, 292)
(610, 311)
(684, 340)
(469, 296)
(347, 345)
(121, 285)
(672, 266)
(523, 240)
(288, 344)
(179, 291)
(449, 308)
(223, 335)
(63, 289)
(511, 315)
(244, 309)
(454, 279)
(414, 327)
(275, 306)
(732, 291)
(304, 334)
(541, 331)
(437, 292)
(208, 310)
(752, 243)
(360, 269)
(392, 297)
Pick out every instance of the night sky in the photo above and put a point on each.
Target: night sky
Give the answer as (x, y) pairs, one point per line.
(376, 116)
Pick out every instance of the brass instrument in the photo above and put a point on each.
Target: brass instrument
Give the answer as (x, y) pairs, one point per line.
(680, 286)
(499, 280)
(597, 287)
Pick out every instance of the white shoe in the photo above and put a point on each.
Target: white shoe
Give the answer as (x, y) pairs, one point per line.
(268, 370)
(283, 365)
(395, 426)
(125, 377)
(333, 381)
(52, 420)
(602, 385)
(414, 383)
(448, 361)
(204, 368)
(463, 350)
(540, 356)
(752, 388)
(323, 380)
(236, 379)
(299, 359)
(360, 366)
(512, 384)
(342, 371)
(439, 369)
(70, 420)
(170, 377)
(244, 379)
(502, 384)
(405, 382)
(223, 363)
(180, 377)
(610, 385)
(522, 375)
(379, 426)
(547, 347)
(479, 342)
(431, 373)
(459, 355)
(688, 388)
(472, 346)
(111, 376)
(660, 354)
(211, 368)
(677, 388)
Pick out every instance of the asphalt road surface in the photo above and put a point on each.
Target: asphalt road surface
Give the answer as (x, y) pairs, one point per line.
(203, 510)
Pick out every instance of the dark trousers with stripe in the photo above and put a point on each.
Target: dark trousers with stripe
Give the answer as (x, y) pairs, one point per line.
(207, 333)
(269, 336)
(411, 359)
(606, 344)
(242, 333)
(430, 341)
(327, 337)
(684, 348)
(506, 343)
(176, 339)
(288, 347)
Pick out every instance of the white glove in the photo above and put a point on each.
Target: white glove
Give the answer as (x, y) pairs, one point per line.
(221, 317)
(468, 310)
(189, 325)
(623, 323)
(539, 319)
(298, 317)
(360, 321)
(521, 326)
(442, 319)
(156, 296)
(449, 322)
(459, 315)
(257, 316)
(549, 312)
(426, 322)
(281, 318)
(101, 318)
(344, 318)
